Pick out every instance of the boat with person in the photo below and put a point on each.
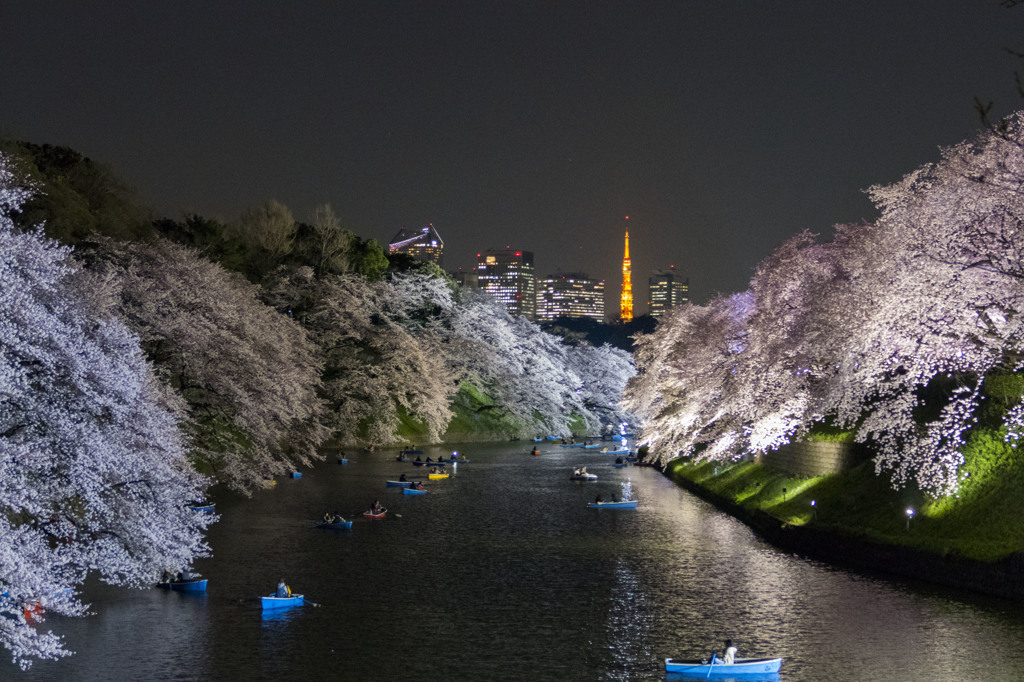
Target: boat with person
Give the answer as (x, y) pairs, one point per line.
(581, 474)
(192, 585)
(370, 514)
(397, 484)
(621, 504)
(335, 525)
(414, 491)
(437, 476)
(712, 669)
(275, 602)
(570, 445)
(207, 508)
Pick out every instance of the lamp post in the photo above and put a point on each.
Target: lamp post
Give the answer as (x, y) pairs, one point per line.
(814, 509)
(910, 515)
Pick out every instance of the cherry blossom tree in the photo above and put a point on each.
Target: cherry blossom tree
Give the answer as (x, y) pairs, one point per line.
(862, 330)
(249, 375)
(93, 474)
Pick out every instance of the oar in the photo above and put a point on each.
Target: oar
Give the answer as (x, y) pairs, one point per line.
(712, 664)
(306, 601)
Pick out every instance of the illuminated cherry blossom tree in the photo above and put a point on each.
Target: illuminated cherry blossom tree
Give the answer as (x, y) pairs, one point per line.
(863, 330)
(249, 375)
(93, 474)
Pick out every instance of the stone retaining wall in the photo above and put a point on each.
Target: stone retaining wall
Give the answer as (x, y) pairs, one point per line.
(813, 458)
(1004, 578)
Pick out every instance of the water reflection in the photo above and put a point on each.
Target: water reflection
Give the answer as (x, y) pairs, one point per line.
(501, 572)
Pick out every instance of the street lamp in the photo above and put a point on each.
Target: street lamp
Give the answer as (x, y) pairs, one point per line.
(910, 515)
(814, 510)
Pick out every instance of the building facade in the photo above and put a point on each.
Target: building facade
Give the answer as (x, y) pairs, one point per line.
(508, 276)
(570, 295)
(667, 289)
(423, 243)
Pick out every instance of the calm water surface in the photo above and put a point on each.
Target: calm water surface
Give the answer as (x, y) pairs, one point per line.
(502, 573)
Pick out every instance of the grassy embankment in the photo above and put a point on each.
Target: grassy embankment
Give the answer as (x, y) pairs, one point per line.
(983, 520)
(477, 418)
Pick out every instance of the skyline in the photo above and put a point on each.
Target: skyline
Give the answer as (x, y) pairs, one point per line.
(721, 129)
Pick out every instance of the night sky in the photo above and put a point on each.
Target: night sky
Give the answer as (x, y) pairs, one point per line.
(721, 128)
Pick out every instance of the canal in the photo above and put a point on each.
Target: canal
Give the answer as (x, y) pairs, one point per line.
(501, 572)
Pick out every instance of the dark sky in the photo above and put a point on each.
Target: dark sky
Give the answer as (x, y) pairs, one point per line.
(720, 127)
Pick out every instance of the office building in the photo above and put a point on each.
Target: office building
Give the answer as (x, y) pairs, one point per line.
(667, 289)
(508, 276)
(423, 243)
(570, 295)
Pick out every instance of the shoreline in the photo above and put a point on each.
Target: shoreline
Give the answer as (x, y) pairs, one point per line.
(1003, 578)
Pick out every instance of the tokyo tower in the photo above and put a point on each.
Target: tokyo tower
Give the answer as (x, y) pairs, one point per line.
(626, 304)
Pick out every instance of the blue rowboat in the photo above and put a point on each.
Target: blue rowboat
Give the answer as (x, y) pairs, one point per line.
(594, 446)
(554, 438)
(741, 666)
(273, 602)
(202, 508)
(583, 477)
(619, 465)
(334, 525)
(194, 585)
(570, 445)
(631, 504)
(296, 474)
(397, 484)
(623, 451)
(413, 491)
(343, 460)
(537, 440)
(412, 452)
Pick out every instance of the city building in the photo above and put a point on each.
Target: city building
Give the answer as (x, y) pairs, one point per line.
(570, 295)
(667, 289)
(508, 276)
(466, 278)
(422, 244)
(626, 302)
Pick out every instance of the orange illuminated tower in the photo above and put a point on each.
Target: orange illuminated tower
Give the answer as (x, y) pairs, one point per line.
(626, 305)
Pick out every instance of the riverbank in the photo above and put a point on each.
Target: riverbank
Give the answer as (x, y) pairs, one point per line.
(857, 520)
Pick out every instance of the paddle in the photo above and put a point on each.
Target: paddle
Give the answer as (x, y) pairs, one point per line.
(306, 601)
(712, 664)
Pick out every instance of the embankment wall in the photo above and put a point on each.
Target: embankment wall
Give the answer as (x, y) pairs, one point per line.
(1004, 578)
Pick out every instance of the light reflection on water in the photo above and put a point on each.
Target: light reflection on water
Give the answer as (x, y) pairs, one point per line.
(501, 572)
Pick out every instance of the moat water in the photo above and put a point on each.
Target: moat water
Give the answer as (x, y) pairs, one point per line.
(501, 572)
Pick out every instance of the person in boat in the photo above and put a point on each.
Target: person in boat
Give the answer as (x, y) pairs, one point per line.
(186, 575)
(420, 459)
(327, 517)
(618, 460)
(598, 500)
(338, 518)
(535, 451)
(375, 507)
(576, 471)
(429, 460)
(729, 657)
(168, 576)
(283, 590)
(583, 470)
(402, 478)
